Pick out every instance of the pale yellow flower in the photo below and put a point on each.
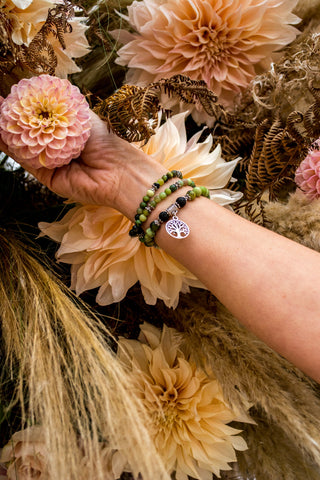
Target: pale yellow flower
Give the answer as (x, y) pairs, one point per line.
(188, 414)
(26, 19)
(222, 42)
(95, 240)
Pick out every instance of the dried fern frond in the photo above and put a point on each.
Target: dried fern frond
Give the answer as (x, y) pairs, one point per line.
(39, 57)
(132, 112)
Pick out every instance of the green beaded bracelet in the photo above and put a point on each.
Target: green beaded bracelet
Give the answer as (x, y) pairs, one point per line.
(176, 228)
(147, 207)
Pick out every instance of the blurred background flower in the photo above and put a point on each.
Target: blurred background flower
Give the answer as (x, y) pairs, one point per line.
(308, 173)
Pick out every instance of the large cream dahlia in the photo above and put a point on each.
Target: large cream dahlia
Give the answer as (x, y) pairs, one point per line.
(218, 41)
(95, 240)
(188, 413)
(26, 19)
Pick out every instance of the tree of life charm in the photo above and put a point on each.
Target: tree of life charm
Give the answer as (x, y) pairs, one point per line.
(177, 228)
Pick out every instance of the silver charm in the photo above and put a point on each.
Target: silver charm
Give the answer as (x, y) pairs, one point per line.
(177, 228)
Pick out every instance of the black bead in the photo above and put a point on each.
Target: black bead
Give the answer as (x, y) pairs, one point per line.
(181, 201)
(137, 216)
(134, 232)
(164, 216)
(156, 185)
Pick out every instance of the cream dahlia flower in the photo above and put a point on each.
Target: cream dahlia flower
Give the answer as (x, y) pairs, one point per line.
(188, 414)
(26, 19)
(45, 121)
(219, 41)
(95, 240)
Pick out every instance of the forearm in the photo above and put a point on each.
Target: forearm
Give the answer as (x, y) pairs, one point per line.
(268, 282)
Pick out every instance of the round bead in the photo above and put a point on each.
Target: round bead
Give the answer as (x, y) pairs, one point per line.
(167, 191)
(142, 218)
(156, 185)
(134, 232)
(163, 195)
(157, 199)
(137, 216)
(150, 193)
(138, 222)
(160, 181)
(145, 212)
(146, 199)
(173, 187)
(197, 191)
(170, 174)
(189, 182)
(191, 194)
(143, 205)
(164, 178)
(164, 216)
(154, 226)
(150, 232)
(180, 182)
(153, 203)
(139, 211)
(181, 201)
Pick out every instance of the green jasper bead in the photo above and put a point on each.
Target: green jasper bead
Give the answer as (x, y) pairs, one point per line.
(150, 193)
(160, 181)
(157, 199)
(191, 194)
(146, 198)
(192, 183)
(163, 195)
(138, 222)
(143, 205)
(142, 218)
(146, 213)
(173, 188)
(170, 175)
(153, 203)
(150, 233)
(204, 190)
(154, 226)
(180, 182)
(167, 191)
(164, 178)
(189, 181)
(139, 211)
(197, 191)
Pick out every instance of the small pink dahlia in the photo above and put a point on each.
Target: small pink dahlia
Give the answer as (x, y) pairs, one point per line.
(45, 121)
(308, 173)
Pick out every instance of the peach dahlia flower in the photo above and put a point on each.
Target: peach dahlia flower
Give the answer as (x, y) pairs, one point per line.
(45, 121)
(189, 416)
(218, 41)
(95, 240)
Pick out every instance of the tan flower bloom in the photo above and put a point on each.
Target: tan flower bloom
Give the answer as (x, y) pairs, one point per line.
(26, 455)
(95, 240)
(218, 41)
(188, 414)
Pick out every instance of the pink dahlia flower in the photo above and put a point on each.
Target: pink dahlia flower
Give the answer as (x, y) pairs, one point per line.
(45, 121)
(308, 173)
(218, 41)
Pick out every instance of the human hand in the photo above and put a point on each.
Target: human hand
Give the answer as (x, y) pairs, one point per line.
(110, 172)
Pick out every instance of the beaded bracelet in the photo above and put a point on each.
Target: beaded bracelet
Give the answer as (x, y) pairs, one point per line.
(175, 227)
(150, 201)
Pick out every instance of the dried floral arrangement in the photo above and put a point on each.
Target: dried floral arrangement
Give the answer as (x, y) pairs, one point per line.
(148, 376)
